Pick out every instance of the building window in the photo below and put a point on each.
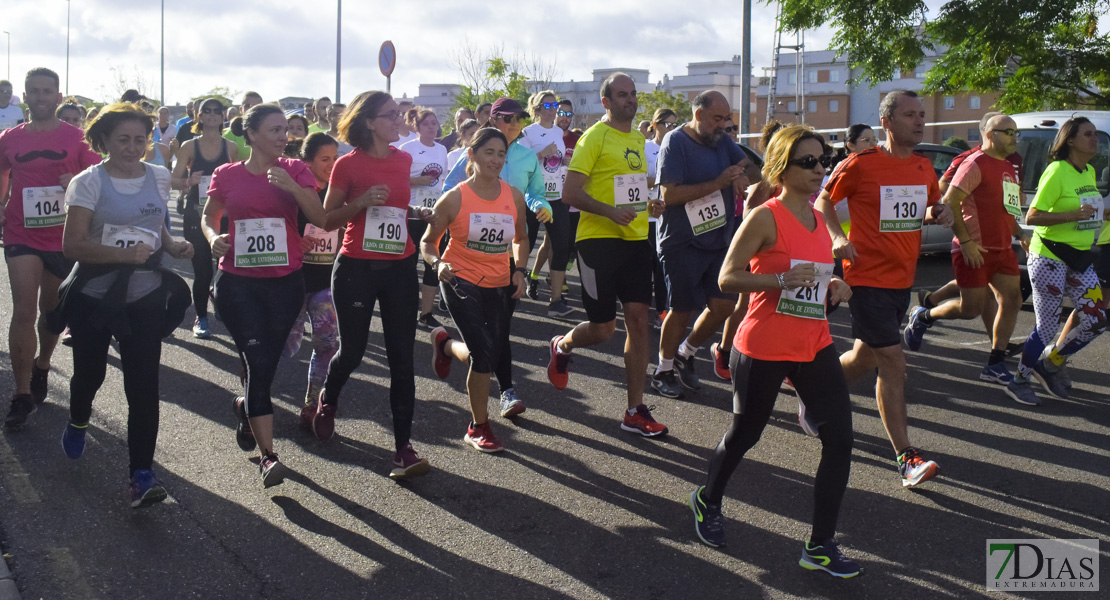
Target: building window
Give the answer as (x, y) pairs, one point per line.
(946, 132)
(949, 102)
(812, 106)
(791, 77)
(811, 76)
(973, 102)
(834, 76)
(792, 107)
(834, 105)
(973, 134)
(834, 137)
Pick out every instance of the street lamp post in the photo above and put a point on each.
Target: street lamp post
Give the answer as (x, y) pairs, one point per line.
(338, 44)
(9, 55)
(162, 65)
(67, 46)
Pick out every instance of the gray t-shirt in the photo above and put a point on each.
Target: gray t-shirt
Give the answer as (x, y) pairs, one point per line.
(684, 161)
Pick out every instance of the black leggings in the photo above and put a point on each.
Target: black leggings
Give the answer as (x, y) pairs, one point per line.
(139, 353)
(482, 317)
(357, 285)
(658, 278)
(821, 385)
(417, 227)
(202, 260)
(259, 312)
(572, 236)
(558, 229)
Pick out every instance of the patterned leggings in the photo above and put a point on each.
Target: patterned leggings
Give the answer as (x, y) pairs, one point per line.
(325, 339)
(1052, 280)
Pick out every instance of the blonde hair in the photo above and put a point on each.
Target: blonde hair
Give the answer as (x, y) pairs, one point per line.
(536, 102)
(776, 160)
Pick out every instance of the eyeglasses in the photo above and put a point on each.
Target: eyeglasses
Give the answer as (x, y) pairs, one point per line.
(550, 105)
(669, 124)
(730, 129)
(566, 113)
(809, 161)
(509, 119)
(1010, 132)
(454, 284)
(392, 115)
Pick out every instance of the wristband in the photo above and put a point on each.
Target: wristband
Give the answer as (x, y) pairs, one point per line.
(522, 271)
(962, 242)
(435, 264)
(781, 280)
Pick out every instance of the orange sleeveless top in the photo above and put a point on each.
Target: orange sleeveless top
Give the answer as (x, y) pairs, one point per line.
(789, 325)
(482, 237)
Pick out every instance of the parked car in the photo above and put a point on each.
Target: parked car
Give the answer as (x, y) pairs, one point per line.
(937, 238)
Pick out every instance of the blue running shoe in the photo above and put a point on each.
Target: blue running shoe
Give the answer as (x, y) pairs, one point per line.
(1021, 391)
(915, 331)
(996, 373)
(828, 558)
(708, 522)
(73, 440)
(146, 490)
(1050, 380)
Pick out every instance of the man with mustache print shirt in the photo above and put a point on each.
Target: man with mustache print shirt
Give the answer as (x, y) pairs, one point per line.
(38, 158)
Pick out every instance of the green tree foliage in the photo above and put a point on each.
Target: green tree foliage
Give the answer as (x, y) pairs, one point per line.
(957, 142)
(224, 94)
(492, 73)
(1038, 53)
(656, 99)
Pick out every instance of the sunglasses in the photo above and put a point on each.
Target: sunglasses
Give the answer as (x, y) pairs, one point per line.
(730, 129)
(454, 285)
(670, 124)
(509, 119)
(1010, 132)
(566, 113)
(809, 161)
(211, 111)
(550, 105)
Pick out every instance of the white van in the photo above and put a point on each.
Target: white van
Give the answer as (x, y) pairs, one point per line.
(1038, 130)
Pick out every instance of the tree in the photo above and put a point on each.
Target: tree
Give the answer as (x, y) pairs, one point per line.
(1039, 54)
(656, 99)
(123, 79)
(221, 93)
(491, 74)
(957, 142)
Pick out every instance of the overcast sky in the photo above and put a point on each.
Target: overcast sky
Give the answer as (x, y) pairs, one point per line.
(287, 47)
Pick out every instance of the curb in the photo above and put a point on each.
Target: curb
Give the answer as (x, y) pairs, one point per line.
(8, 589)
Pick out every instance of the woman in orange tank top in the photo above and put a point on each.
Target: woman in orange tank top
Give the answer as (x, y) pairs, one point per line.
(785, 334)
(485, 217)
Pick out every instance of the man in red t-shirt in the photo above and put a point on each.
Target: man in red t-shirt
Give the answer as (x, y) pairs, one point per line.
(986, 191)
(890, 192)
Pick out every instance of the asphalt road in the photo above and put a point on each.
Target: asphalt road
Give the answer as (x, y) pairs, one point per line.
(574, 508)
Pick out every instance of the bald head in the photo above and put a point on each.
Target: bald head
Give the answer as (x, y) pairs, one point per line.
(711, 114)
(1000, 136)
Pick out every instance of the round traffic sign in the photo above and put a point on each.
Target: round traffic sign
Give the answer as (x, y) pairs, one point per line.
(387, 58)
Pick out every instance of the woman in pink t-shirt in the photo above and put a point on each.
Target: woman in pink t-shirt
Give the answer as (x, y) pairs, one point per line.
(260, 288)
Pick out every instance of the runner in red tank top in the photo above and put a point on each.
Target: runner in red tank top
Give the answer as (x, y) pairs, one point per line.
(786, 335)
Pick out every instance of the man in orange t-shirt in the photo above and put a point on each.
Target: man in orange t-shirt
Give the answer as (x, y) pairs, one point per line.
(890, 192)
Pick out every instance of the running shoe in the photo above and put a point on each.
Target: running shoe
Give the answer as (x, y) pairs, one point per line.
(22, 407)
(243, 434)
(720, 363)
(559, 308)
(200, 328)
(273, 472)
(828, 558)
(146, 490)
(1050, 380)
(1062, 375)
(1021, 391)
(996, 373)
(915, 331)
(407, 464)
(73, 440)
(642, 423)
(511, 405)
(428, 320)
(482, 438)
(66, 338)
(323, 423)
(558, 365)
(708, 522)
(39, 387)
(914, 469)
(1014, 349)
(923, 297)
(533, 287)
(307, 412)
(666, 383)
(808, 424)
(658, 322)
(684, 368)
(441, 363)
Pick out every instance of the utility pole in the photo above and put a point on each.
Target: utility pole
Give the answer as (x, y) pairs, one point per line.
(162, 68)
(67, 46)
(338, 45)
(746, 70)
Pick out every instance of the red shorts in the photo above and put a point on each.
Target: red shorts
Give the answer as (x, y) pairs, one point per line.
(1002, 262)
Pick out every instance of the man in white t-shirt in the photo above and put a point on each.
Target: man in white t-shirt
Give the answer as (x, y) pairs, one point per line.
(10, 113)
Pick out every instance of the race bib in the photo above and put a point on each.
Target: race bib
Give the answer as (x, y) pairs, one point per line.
(203, 187)
(261, 243)
(385, 230)
(902, 207)
(125, 236)
(553, 183)
(490, 233)
(44, 206)
(630, 190)
(706, 214)
(1095, 222)
(805, 302)
(1011, 197)
(423, 196)
(324, 245)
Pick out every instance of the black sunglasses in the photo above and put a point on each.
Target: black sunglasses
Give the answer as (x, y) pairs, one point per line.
(809, 161)
(509, 119)
(730, 129)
